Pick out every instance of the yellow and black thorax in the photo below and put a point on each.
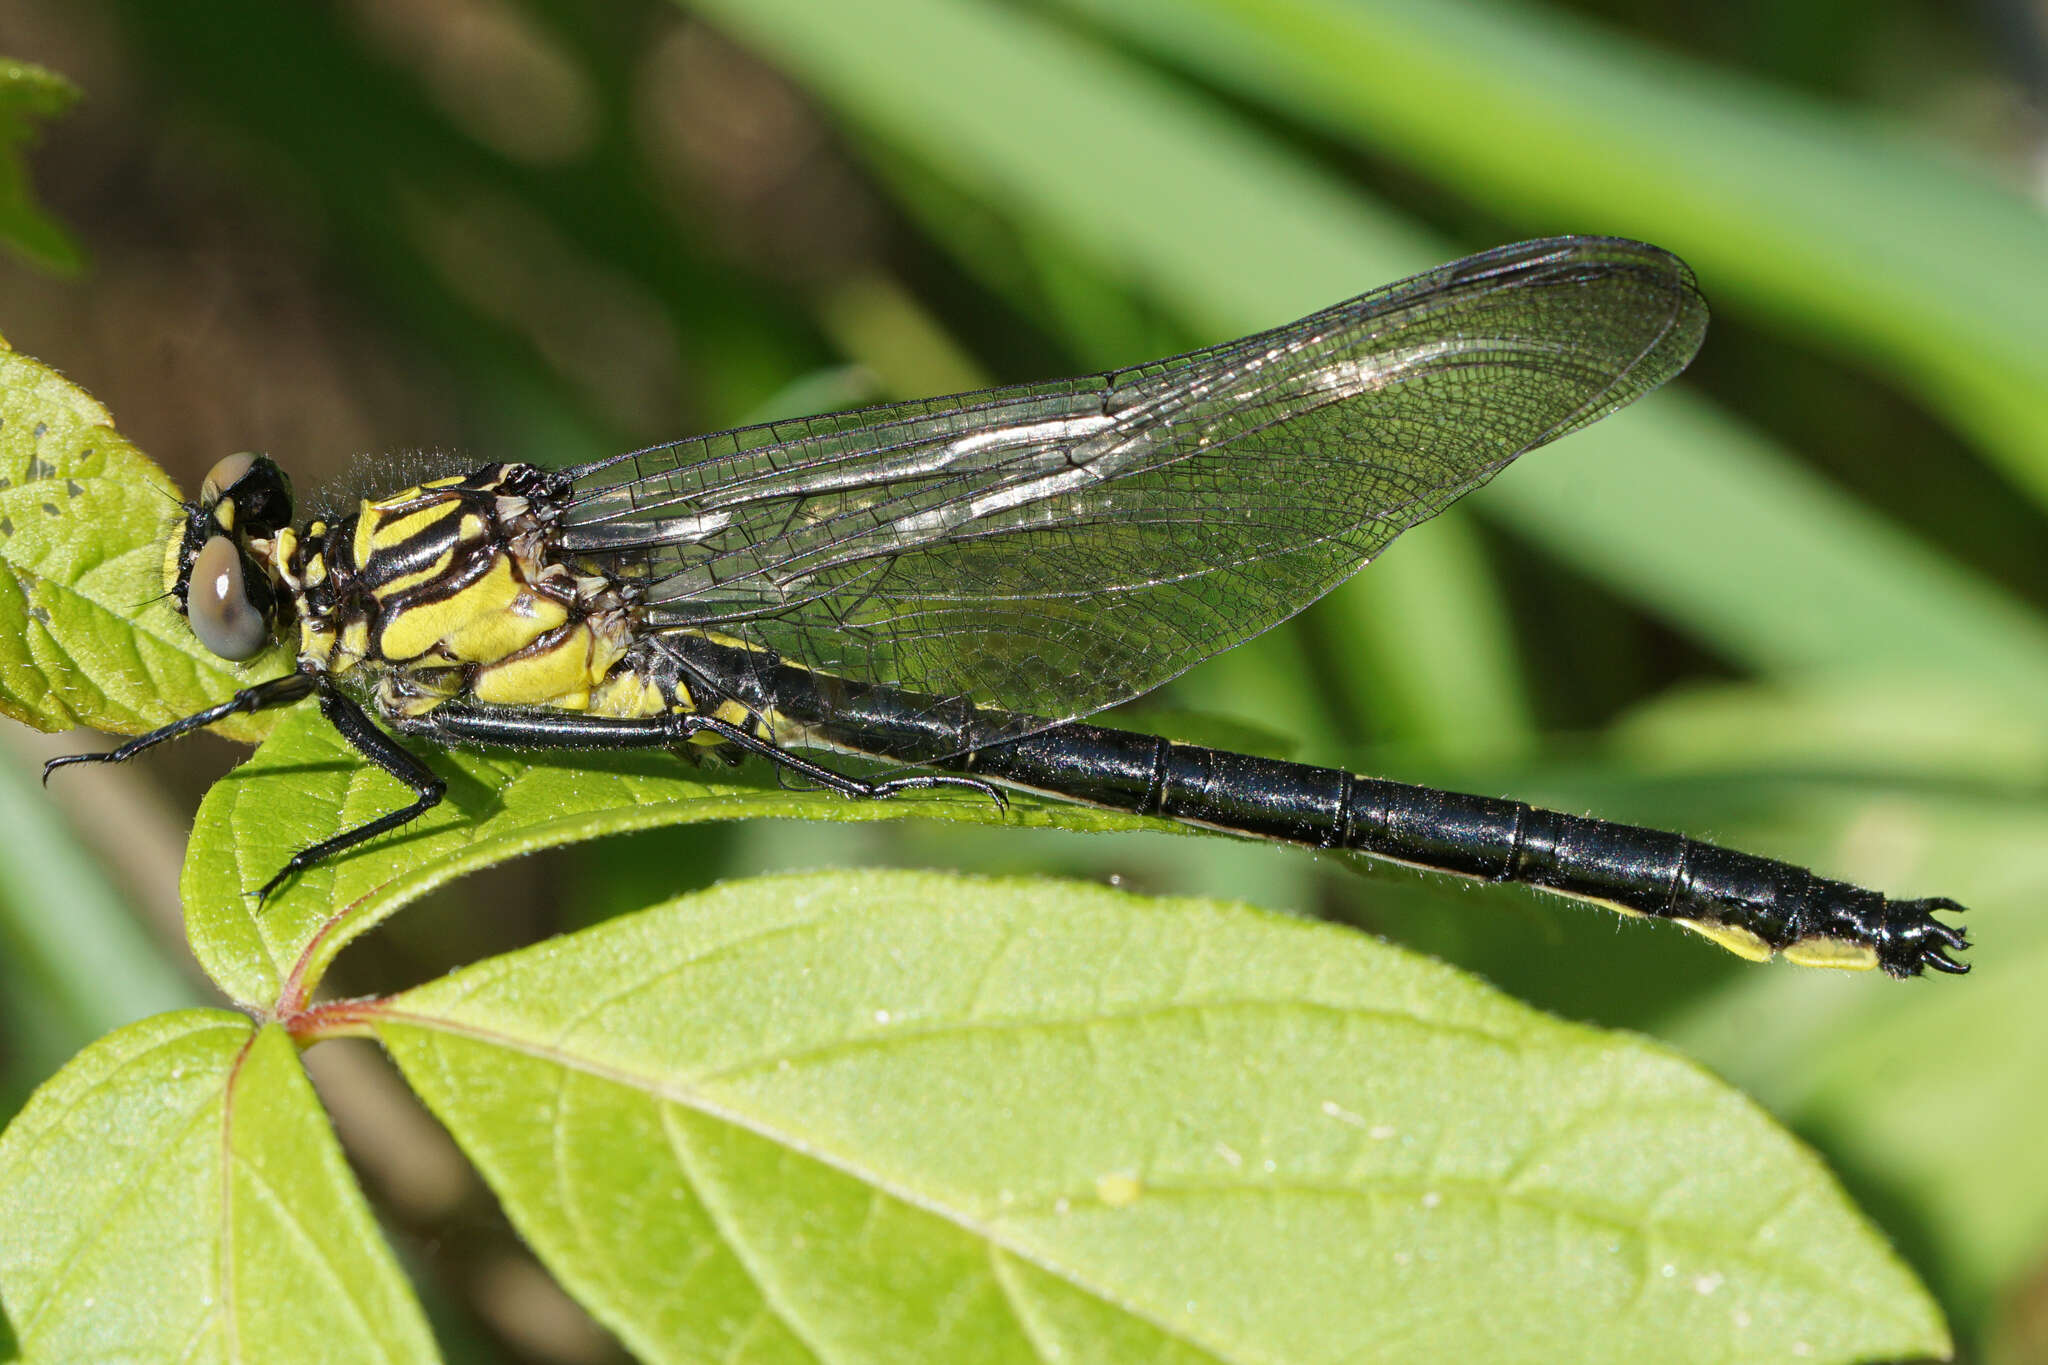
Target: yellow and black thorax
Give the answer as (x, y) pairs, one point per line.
(448, 589)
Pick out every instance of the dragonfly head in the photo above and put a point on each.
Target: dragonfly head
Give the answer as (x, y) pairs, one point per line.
(219, 569)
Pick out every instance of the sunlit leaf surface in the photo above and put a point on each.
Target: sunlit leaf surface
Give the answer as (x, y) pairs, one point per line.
(898, 1117)
(175, 1194)
(86, 634)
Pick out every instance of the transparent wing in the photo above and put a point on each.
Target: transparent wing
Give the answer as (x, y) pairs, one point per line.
(1053, 549)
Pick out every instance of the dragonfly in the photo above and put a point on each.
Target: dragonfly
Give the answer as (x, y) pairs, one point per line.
(953, 586)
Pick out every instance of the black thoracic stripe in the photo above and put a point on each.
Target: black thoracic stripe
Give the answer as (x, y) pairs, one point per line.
(462, 572)
(416, 552)
(1647, 871)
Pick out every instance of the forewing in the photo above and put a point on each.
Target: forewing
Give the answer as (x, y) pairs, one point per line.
(1055, 549)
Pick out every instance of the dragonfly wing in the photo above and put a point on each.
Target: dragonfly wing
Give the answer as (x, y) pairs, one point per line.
(1054, 549)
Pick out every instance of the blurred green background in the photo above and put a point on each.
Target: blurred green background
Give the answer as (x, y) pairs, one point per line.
(1799, 604)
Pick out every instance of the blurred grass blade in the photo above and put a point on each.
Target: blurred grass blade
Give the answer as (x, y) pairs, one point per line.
(1778, 568)
(63, 921)
(29, 93)
(906, 1117)
(1230, 231)
(1425, 638)
(1817, 216)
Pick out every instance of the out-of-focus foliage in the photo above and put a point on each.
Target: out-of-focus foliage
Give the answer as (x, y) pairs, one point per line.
(1833, 224)
(1799, 605)
(29, 93)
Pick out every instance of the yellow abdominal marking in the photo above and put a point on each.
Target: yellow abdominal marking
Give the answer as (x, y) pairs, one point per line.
(511, 622)
(354, 643)
(628, 694)
(365, 543)
(1738, 941)
(1832, 952)
(380, 525)
(729, 711)
(1815, 952)
(388, 531)
(523, 634)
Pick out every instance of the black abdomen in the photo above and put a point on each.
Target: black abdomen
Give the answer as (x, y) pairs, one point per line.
(1750, 905)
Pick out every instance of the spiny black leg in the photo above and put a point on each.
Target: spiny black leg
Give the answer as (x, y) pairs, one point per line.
(384, 751)
(454, 724)
(839, 782)
(262, 697)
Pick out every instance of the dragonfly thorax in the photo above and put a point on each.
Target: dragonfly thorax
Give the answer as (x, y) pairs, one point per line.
(452, 589)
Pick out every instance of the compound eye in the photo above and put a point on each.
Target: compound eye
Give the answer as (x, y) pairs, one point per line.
(247, 493)
(224, 475)
(221, 601)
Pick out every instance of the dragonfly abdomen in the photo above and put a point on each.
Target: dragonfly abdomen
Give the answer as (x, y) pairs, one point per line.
(1750, 905)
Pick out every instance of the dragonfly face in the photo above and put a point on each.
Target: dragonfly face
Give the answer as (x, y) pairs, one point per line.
(219, 569)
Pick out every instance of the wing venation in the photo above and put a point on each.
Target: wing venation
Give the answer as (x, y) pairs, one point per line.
(1054, 549)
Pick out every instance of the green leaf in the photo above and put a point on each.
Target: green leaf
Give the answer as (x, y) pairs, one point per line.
(1934, 1103)
(1670, 504)
(29, 93)
(176, 1194)
(895, 1117)
(305, 784)
(86, 636)
(1930, 1097)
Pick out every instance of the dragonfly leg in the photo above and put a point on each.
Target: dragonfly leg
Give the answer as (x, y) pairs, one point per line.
(362, 734)
(262, 697)
(831, 779)
(456, 724)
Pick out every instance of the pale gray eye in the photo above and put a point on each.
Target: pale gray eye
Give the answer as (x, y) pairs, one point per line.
(220, 603)
(224, 475)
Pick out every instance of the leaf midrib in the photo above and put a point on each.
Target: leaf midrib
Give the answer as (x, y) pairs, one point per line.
(998, 1239)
